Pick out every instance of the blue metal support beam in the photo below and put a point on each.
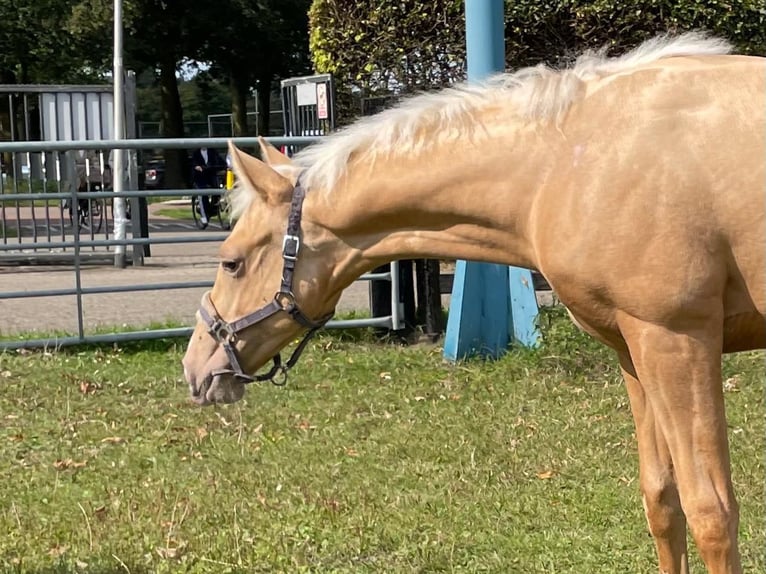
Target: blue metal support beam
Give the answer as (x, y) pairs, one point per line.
(491, 305)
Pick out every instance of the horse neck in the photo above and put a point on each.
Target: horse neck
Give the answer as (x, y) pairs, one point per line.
(471, 202)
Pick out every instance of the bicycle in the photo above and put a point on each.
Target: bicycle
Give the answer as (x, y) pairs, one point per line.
(89, 214)
(218, 208)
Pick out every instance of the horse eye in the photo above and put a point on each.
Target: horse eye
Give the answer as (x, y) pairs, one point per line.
(231, 266)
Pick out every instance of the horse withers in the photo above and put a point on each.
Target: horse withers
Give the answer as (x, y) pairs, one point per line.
(635, 185)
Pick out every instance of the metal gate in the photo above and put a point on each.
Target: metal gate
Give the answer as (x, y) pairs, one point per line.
(308, 105)
(79, 288)
(36, 186)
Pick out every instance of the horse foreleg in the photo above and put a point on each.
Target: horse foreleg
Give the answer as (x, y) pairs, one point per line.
(657, 481)
(680, 373)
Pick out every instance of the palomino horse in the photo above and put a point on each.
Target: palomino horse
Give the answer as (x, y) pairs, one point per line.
(635, 185)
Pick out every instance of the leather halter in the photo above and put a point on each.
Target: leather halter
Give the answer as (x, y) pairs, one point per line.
(225, 332)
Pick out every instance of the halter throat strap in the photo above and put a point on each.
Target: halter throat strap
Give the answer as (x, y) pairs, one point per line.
(225, 332)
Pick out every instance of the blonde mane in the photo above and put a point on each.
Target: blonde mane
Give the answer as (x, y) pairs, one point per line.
(538, 92)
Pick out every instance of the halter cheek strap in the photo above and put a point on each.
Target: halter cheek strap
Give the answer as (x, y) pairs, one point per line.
(225, 332)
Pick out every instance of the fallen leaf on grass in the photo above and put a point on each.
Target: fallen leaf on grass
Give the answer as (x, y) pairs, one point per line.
(171, 552)
(731, 384)
(545, 475)
(88, 388)
(202, 433)
(68, 463)
(57, 550)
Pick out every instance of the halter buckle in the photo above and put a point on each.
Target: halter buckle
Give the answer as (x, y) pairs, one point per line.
(291, 244)
(221, 330)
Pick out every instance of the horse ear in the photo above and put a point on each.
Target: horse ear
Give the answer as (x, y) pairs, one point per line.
(273, 187)
(272, 155)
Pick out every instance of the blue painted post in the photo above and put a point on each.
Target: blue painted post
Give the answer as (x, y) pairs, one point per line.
(491, 305)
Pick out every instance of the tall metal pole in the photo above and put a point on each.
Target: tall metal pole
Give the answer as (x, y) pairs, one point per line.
(491, 305)
(484, 38)
(118, 171)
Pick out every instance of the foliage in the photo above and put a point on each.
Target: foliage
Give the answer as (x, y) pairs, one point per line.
(255, 43)
(378, 46)
(560, 29)
(36, 45)
(200, 96)
(374, 458)
(384, 45)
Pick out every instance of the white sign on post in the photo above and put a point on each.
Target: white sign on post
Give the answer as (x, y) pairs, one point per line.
(306, 94)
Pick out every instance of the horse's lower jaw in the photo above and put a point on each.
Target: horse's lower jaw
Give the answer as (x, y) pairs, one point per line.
(218, 389)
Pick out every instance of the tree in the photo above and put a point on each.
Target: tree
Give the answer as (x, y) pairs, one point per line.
(157, 38)
(254, 43)
(37, 46)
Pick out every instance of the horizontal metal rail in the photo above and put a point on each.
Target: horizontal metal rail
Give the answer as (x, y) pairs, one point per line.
(56, 342)
(151, 143)
(78, 241)
(52, 195)
(139, 287)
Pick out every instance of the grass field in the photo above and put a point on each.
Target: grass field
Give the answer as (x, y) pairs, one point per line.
(179, 212)
(374, 458)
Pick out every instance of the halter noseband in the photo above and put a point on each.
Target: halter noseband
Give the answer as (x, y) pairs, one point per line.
(225, 332)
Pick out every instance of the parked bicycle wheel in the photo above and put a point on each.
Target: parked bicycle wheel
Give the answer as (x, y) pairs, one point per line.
(218, 209)
(92, 217)
(90, 214)
(223, 212)
(196, 202)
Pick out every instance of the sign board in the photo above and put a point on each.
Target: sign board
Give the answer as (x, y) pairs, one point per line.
(322, 112)
(307, 106)
(306, 94)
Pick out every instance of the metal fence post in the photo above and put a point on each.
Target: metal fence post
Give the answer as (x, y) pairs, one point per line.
(138, 207)
(484, 314)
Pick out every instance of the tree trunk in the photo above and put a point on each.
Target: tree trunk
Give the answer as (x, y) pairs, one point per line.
(176, 168)
(238, 88)
(264, 104)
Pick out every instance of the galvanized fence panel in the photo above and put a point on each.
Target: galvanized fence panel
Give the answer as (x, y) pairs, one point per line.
(49, 232)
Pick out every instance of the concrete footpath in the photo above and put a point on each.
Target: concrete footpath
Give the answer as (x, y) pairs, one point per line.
(169, 263)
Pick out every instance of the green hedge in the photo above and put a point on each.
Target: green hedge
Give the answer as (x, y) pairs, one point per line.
(375, 47)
